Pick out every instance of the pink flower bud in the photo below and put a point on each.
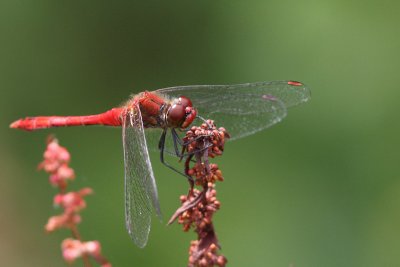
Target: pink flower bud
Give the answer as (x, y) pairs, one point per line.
(72, 201)
(64, 172)
(71, 249)
(92, 247)
(65, 220)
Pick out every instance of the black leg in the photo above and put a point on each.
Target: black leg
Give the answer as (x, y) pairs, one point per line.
(204, 120)
(182, 154)
(161, 142)
(175, 134)
(177, 140)
(194, 152)
(161, 146)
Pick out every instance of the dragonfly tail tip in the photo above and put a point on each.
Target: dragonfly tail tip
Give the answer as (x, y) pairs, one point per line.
(15, 124)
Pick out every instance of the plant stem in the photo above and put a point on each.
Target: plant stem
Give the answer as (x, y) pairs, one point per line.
(76, 235)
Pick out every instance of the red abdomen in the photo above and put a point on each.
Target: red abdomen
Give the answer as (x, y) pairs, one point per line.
(152, 108)
(110, 118)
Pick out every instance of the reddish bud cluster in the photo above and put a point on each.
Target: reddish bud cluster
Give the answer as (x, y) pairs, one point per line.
(73, 201)
(199, 171)
(209, 257)
(73, 249)
(199, 216)
(56, 160)
(207, 132)
(198, 207)
(65, 220)
(56, 163)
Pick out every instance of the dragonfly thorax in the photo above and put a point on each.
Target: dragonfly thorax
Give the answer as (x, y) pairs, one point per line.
(160, 112)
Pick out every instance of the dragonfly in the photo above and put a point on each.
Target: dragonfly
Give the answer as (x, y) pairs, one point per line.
(243, 109)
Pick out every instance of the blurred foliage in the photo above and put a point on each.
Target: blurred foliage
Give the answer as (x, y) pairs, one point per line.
(319, 189)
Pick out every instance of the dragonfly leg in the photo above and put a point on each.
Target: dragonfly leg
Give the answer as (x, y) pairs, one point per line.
(177, 140)
(195, 139)
(161, 146)
(183, 155)
(204, 120)
(185, 144)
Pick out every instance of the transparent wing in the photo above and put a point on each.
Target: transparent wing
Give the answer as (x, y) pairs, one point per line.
(243, 109)
(140, 186)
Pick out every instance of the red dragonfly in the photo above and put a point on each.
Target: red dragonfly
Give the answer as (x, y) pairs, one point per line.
(243, 109)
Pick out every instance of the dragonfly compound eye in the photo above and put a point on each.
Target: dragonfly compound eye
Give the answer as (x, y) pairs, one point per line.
(181, 113)
(176, 115)
(185, 101)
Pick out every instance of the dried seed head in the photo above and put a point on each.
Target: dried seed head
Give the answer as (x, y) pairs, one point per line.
(198, 207)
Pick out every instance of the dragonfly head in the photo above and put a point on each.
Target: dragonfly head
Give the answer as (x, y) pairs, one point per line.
(181, 113)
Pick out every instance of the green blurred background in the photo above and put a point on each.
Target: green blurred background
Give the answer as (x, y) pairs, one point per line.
(319, 189)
